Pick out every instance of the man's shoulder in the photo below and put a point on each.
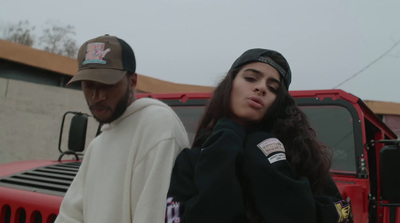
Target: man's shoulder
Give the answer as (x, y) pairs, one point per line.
(151, 103)
(155, 113)
(154, 108)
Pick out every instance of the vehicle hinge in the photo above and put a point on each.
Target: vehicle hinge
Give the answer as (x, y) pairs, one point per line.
(370, 144)
(362, 170)
(373, 205)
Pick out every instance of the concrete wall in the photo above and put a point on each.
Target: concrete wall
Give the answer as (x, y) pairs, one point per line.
(30, 119)
(393, 121)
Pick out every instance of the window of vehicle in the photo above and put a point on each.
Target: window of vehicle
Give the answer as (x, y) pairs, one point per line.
(334, 127)
(190, 117)
(333, 124)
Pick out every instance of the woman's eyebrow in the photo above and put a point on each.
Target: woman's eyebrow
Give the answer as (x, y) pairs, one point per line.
(259, 73)
(272, 79)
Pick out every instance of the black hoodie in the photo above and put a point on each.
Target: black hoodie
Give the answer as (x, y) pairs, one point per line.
(238, 177)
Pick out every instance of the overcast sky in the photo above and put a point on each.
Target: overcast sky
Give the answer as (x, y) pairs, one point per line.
(196, 41)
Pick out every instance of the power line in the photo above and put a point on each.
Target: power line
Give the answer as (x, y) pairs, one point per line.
(370, 64)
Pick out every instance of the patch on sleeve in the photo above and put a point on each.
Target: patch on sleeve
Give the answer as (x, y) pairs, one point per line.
(172, 214)
(276, 157)
(343, 209)
(272, 146)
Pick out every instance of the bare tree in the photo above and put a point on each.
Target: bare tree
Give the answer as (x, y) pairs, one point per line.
(71, 49)
(55, 38)
(20, 33)
(59, 39)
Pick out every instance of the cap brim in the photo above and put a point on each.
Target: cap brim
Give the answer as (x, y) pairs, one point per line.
(104, 76)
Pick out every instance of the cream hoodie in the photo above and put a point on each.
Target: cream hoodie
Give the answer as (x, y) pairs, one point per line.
(125, 174)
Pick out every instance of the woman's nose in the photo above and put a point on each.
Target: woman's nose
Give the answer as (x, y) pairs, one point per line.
(259, 90)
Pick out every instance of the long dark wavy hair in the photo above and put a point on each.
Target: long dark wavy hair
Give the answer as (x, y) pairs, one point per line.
(284, 119)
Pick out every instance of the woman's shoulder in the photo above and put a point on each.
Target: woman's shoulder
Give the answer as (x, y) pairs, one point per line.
(188, 157)
(190, 153)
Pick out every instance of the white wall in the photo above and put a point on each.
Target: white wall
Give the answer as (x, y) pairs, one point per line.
(30, 119)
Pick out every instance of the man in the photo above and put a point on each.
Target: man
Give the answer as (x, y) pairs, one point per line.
(125, 174)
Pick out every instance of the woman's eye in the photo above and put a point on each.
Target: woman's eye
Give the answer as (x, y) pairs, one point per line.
(250, 79)
(273, 89)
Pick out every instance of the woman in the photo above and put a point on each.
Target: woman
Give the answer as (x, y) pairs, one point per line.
(255, 157)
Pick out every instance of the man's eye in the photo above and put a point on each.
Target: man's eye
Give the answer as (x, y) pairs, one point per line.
(88, 85)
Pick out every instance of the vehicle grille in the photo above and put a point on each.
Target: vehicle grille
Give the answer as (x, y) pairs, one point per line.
(53, 179)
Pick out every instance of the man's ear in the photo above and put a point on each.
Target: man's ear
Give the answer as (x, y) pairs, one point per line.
(133, 81)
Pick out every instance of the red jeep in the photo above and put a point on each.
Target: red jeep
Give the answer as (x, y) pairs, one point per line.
(366, 155)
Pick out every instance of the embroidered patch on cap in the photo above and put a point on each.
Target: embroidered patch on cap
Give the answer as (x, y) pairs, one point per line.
(95, 53)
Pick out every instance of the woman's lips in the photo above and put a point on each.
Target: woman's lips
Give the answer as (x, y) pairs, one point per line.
(256, 102)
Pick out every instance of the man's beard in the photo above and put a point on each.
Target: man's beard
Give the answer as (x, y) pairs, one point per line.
(120, 108)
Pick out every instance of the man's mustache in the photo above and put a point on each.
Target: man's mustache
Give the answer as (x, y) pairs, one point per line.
(99, 107)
